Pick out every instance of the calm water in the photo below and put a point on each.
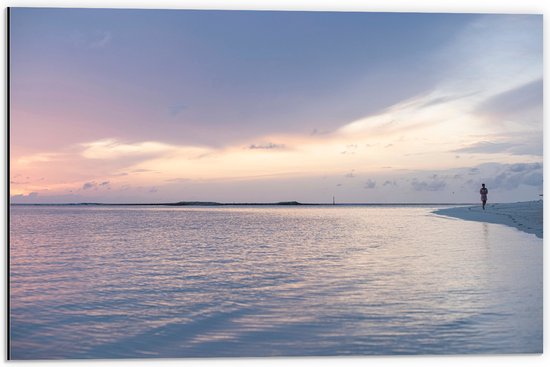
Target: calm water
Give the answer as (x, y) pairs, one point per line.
(126, 282)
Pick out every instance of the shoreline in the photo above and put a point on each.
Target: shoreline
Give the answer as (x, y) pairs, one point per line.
(526, 216)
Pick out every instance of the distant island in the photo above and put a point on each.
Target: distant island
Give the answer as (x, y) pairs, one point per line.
(213, 203)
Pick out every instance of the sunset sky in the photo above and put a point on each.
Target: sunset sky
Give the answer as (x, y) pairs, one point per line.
(253, 106)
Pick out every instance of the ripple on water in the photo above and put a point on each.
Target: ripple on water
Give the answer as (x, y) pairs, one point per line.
(126, 282)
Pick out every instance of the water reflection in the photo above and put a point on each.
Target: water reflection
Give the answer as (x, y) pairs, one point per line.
(485, 233)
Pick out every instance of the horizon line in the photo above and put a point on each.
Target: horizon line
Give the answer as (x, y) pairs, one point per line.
(281, 203)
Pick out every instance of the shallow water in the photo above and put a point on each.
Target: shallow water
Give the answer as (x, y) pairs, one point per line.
(131, 282)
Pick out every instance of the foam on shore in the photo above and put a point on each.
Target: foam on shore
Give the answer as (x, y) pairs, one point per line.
(525, 216)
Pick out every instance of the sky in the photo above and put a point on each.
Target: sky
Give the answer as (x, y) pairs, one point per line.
(145, 106)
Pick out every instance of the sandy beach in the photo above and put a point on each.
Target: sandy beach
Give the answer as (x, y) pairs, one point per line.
(525, 216)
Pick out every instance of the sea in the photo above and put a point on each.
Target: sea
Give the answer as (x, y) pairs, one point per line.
(95, 282)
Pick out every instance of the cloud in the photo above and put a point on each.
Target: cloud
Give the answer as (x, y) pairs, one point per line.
(125, 156)
(22, 198)
(350, 174)
(520, 144)
(141, 170)
(153, 189)
(350, 149)
(370, 184)
(388, 182)
(524, 144)
(433, 185)
(92, 40)
(89, 185)
(529, 144)
(514, 101)
(445, 99)
(30, 195)
(533, 179)
(266, 146)
(485, 147)
(102, 38)
(509, 177)
(522, 167)
(39, 158)
(112, 148)
(178, 180)
(94, 185)
(316, 132)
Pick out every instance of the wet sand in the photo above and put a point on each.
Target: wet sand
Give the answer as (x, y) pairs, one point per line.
(525, 216)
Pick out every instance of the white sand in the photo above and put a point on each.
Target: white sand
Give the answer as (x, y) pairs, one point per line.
(525, 216)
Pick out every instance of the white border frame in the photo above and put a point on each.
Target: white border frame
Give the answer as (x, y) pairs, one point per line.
(431, 6)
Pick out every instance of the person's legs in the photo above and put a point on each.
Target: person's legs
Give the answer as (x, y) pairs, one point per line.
(484, 201)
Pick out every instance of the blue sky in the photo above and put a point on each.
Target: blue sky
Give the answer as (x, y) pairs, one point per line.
(156, 105)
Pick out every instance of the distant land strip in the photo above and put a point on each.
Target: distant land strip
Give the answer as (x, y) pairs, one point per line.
(213, 203)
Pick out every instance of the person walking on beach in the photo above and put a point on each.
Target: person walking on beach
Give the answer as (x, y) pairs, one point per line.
(483, 191)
